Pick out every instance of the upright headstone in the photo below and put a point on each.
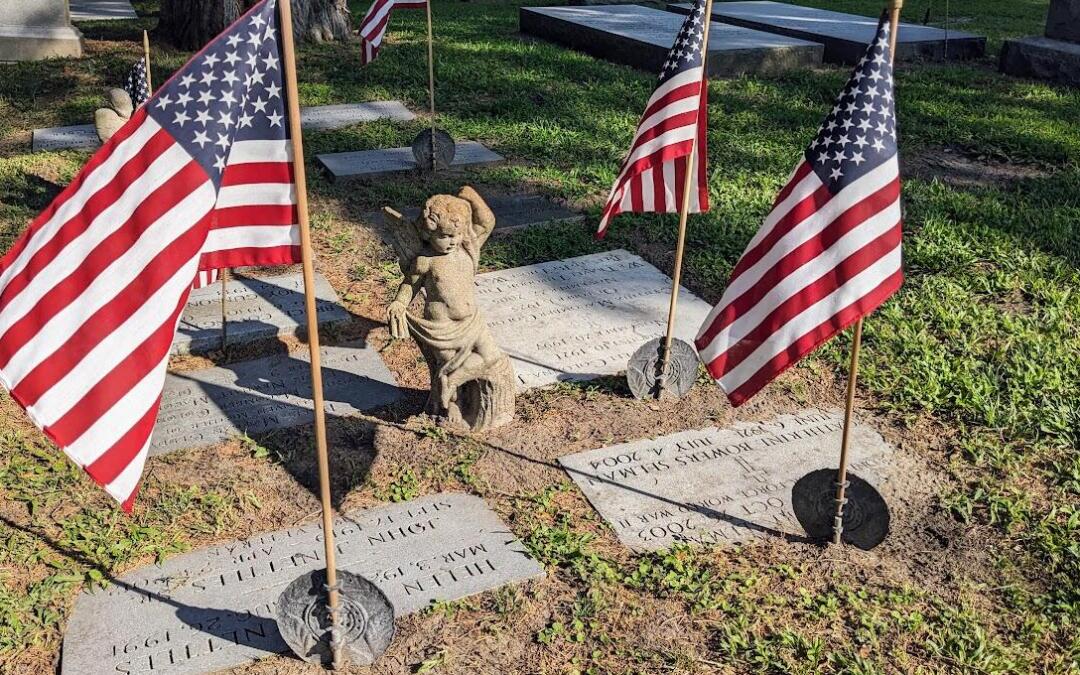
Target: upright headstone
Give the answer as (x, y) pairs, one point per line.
(845, 36)
(214, 608)
(37, 29)
(1054, 56)
(708, 486)
(642, 37)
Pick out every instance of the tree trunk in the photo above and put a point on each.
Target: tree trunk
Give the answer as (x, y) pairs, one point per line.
(190, 24)
(321, 20)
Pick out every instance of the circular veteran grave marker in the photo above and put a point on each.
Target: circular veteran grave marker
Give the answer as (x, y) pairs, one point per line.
(366, 618)
(442, 147)
(866, 516)
(644, 376)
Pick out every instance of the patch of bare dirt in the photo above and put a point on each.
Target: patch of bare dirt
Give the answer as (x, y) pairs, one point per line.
(958, 169)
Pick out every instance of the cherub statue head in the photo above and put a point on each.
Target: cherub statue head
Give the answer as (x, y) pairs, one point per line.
(445, 222)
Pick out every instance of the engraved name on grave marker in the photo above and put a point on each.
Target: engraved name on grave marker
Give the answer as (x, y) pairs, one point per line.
(714, 485)
(213, 608)
(203, 407)
(257, 308)
(583, 317)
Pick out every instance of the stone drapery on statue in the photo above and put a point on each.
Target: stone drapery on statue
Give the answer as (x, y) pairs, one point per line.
(472, 381)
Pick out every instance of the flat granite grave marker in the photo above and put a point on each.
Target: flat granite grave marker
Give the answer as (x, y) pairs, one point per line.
(81, 136)
(1054, 56)
(101, 10)
(710, 486)
(257, 308)
(641, 37)
(512, 212)
(581, 318)
(845, 36)
(214, 608)
(376, 163)
(203, 407)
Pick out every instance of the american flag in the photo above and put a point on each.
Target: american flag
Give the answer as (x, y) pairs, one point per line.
(828, 252)
(653, 176)
(135, 84)
(373, 26)
(90, 295)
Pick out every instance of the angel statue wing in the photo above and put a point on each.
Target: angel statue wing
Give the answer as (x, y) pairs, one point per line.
(404, 237)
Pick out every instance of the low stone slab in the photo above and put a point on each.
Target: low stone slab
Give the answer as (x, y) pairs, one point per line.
(1043, 58)
(256, 308)
(581, 318)
(512, 212)
(214, 608)
(83, 136)
(641, 37)
(844, 36)
(712, 486)
(203, 407)
(376, 163)
(101, 10)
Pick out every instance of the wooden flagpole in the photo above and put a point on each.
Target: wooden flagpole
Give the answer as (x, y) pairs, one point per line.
(684, 209)
(431, 79)
(224, 318)
(146, 62)
(856, 343)
(288, 58)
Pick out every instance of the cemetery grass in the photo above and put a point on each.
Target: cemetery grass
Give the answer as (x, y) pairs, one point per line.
(972, 370)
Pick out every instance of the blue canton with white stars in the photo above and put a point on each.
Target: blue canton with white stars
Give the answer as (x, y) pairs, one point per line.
(859, 134)
(687, 52)
(231, 91)
(135, 84)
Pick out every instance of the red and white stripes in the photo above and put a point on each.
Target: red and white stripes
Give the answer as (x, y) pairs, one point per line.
(818, 263)
(90, 299)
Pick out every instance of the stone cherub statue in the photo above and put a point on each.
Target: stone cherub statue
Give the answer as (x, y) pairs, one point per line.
(472, 381)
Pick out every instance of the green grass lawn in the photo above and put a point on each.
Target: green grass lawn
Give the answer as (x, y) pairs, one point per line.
(980, 350)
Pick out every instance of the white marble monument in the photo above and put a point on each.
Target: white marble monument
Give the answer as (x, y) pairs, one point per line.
(31, 30)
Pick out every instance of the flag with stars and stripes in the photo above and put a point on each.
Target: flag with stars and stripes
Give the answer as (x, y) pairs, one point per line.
(828, 252)
(653, 175)
(199, 178)
(373, 25)
(135, 84)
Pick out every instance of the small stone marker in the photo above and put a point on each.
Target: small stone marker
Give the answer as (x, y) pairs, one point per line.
(76, 137)
(31, 30)
(203, 407)
(346, 114)
(257, 308)
(313, 117)
(641, 37)
(101, 10)
(845, 36)
(1054, 56)
(214, 608)
(376, 163)
(714, 485)
(512, 212)
(581, 318)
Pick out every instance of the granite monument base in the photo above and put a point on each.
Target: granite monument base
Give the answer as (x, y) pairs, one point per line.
(34, 43)
(378, 163)
(711, 486)
(1043, 58)
(214, 608)
(844, 36)
(641, 37)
